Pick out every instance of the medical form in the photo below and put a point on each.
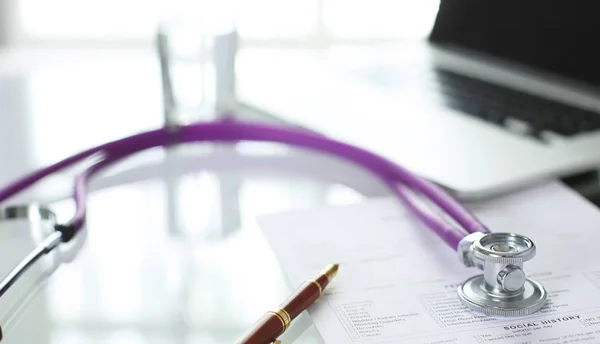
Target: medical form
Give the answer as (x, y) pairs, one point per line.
(398, 281)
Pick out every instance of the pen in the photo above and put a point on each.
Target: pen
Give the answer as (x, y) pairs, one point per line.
(274, 323)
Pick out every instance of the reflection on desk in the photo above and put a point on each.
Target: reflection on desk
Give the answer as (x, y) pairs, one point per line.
(181, 269)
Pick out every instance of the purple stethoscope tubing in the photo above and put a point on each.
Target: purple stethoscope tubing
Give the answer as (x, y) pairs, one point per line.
(397, 178)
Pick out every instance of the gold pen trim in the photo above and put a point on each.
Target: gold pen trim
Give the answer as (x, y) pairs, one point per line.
(318, 285)
(283, 316)
(283, 324)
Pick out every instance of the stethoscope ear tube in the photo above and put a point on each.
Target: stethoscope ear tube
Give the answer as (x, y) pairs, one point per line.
(397, 178)
(49, 244)
(25, 230)
(400, 181)
(416, 193)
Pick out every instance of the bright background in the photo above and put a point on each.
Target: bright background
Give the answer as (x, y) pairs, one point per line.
(271, 22)
(162, 282)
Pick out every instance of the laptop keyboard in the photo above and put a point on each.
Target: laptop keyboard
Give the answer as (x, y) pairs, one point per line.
(512, 110)
(500, 105)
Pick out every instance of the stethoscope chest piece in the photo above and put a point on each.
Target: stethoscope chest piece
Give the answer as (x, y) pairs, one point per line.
(503, 289)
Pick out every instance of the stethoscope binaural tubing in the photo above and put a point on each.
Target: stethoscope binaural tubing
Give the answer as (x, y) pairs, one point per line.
(399, 180)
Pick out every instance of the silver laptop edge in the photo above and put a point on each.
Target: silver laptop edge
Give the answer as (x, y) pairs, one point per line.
(306, 92)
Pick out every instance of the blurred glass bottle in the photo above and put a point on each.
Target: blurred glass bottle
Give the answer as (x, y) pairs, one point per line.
(8, 10)
(197, 43)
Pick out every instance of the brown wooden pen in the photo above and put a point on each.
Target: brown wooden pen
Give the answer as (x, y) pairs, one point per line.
(274, 323)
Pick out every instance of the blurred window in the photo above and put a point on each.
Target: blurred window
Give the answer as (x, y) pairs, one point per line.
(266, 22)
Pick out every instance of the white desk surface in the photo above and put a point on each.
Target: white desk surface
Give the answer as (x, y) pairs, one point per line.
(172, 257)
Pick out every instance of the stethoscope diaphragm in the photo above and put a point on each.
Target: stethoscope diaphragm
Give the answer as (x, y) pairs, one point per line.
(503, 289)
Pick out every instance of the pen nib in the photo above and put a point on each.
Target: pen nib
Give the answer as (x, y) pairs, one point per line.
(331, 270)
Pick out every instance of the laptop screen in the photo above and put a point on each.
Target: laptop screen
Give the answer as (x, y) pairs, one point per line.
(560, 37)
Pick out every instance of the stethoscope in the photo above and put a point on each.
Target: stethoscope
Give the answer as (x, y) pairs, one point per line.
(502, 290)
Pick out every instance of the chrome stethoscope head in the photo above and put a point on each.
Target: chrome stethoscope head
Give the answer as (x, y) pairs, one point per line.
(503, 289)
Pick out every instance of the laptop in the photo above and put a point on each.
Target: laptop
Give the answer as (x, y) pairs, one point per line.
(500, 95)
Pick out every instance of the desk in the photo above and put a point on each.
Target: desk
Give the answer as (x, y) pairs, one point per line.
(190, 266)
